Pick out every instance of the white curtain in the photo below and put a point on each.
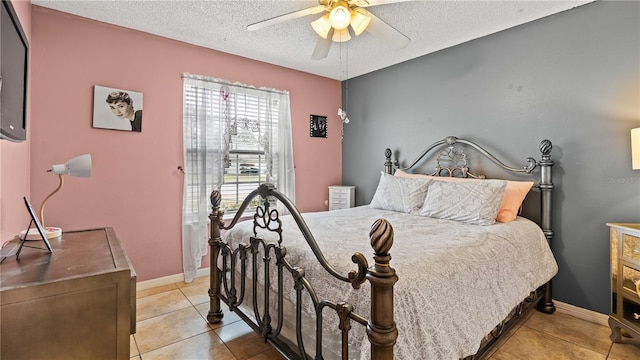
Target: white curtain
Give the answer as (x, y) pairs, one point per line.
(207, 109)
(286, 169)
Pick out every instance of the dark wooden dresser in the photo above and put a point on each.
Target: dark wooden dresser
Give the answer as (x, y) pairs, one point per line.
(75, 303)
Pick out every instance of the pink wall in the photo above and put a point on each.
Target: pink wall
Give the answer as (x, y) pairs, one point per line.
(135, 185)
(15, 160)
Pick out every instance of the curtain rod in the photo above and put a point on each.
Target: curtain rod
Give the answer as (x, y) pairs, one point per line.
(226, 82)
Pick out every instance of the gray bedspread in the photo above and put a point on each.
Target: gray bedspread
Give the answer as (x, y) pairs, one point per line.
(456, 281)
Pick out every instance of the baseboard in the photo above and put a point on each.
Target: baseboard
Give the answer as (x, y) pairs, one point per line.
(581, 313)
(168, 280)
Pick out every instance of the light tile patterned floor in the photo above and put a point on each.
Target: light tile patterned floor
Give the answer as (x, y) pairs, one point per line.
(171, 325)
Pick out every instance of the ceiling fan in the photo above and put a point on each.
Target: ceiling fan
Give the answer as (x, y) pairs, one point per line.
(338, 17)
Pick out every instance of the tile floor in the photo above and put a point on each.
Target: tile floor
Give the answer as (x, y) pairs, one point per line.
(171, 324)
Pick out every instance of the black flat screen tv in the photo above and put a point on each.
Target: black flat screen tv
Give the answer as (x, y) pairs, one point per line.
(14, 55)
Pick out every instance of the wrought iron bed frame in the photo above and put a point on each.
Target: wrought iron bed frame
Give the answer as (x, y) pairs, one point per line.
(380, 326)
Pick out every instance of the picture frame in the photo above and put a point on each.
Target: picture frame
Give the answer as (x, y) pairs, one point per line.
(117, 109)
(38, 225)
(317, 126)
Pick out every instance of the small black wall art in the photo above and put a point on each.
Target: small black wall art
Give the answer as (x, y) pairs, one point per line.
(318, 126)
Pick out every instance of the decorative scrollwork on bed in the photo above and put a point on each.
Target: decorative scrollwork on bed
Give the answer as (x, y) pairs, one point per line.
(454, 160)
(457, 154)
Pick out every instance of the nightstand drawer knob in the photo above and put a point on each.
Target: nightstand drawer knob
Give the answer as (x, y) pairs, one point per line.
(636, 251)
(636, 316)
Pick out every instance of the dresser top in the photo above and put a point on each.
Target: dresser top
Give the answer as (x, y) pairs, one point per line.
(629, 227)
(75, 254)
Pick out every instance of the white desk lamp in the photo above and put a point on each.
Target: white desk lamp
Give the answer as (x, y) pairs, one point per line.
(79, 166)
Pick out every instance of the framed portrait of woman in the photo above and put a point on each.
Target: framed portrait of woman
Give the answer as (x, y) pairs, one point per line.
(117, 109)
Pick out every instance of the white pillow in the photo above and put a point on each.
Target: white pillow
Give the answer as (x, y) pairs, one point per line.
(399, 194)
(474, 202)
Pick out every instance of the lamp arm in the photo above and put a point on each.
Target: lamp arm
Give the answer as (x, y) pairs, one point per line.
(44, 202)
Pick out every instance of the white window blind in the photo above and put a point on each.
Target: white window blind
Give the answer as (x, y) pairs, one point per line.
(249, 160)
(236, 137)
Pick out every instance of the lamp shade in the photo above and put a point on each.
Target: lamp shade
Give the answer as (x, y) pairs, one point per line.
(341, 35)
(360, 19)
(635, 149)
(340, 16)
(79, 166)
(322, 26)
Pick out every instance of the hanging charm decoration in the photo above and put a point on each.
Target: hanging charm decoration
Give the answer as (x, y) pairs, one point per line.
(345, 120)
(224, 94)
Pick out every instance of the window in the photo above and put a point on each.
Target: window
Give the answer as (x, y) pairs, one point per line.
(236, 137)
(247, 166)
(240, 129)
(232, 142)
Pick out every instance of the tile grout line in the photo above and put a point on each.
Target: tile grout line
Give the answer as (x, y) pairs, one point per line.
(551, 335)
(191, 305)
(609, 353)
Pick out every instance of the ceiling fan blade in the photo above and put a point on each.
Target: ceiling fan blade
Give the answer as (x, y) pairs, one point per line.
(386, 32)
(369, 3)
(322, 47)
(286, 17)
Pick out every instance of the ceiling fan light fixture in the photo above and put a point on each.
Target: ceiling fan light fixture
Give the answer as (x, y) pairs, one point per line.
(340, 15)
(322, 26)
(360, 19)
(341, 35)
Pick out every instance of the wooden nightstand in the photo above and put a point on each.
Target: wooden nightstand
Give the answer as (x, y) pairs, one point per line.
(341, 197)
(624, 320)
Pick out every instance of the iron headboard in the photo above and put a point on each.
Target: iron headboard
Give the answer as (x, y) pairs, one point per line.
(453, 161)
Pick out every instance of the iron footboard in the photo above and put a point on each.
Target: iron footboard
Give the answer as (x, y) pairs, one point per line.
(226, 262)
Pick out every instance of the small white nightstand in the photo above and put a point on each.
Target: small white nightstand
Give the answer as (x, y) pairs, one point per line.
(341, 197)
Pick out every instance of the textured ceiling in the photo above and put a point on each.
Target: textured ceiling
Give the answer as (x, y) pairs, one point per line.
(221, 25)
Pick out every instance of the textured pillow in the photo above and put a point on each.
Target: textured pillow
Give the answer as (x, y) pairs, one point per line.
(398, 194)
(514, 193)
(472, 202)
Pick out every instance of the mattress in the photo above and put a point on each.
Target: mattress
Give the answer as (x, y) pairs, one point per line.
(456, 281)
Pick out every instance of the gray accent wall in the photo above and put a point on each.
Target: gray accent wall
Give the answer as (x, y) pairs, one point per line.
(572, 78)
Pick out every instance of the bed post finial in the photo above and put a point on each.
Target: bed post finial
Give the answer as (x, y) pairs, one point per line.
(388, 165)
(215, 243)
(381, 236)
(545, 147)
(381, 328)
